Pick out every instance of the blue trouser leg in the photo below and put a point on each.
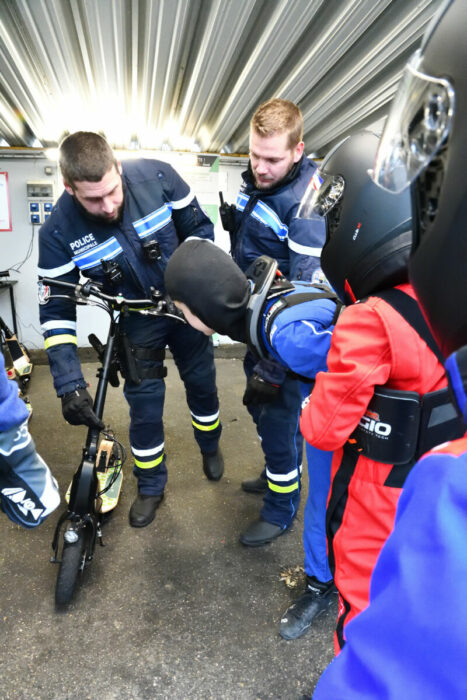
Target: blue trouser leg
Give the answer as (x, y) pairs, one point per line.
(146, 401)
(282, 444)
(314, 528)
(193, 354)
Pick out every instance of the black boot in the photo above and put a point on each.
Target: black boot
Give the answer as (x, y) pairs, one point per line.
(301, 614)
(143, 509)
(261, 532)
(259, 485)
(213, 464)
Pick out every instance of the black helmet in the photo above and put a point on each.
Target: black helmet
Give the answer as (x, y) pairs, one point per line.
(425, 143)
(368, 230)
(206, 279)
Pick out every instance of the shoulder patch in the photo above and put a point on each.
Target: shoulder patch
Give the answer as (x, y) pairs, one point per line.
(43, 293)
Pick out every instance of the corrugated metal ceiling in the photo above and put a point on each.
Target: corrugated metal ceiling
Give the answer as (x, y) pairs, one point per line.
(188, 74)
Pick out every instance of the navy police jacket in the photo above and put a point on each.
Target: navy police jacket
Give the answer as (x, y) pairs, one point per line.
(158, 205)
(266, 224)
(300, 335)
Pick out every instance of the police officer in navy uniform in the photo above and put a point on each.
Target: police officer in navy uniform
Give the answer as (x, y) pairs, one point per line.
(265, 223)
(410, 640)
(118, 224)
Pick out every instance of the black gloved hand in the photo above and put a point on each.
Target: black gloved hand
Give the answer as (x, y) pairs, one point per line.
(265, 383)
(77, 409)
(258, 391)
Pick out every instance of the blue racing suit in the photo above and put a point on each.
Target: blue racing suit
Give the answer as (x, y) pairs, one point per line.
(298, 339)
(160, 210)
(29, 493)
(409, 643)
(267, 224)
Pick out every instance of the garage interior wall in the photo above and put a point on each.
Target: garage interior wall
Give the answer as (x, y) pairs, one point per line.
(19, 246)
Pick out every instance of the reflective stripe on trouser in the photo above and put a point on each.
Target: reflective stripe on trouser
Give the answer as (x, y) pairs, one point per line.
(282, 444)
(193, 354)
(314, 516)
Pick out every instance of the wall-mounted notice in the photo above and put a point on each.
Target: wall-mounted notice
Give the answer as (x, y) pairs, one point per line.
(5, 211)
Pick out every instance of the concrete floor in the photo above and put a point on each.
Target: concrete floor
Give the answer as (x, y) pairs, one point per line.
(179, 609)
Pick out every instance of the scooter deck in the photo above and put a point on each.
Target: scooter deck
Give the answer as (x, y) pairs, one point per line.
(108, 500)
(105, 475)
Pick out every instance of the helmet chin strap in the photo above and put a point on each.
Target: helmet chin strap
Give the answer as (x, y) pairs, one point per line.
(456, 370)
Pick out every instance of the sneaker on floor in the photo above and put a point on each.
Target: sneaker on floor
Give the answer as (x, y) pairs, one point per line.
(310, 605)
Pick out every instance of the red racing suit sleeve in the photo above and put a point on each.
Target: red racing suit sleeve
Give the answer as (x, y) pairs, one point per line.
(359, 358)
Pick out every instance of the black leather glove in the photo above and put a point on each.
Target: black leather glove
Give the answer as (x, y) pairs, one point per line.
(77, 409)
(258, 391)
(265, 383)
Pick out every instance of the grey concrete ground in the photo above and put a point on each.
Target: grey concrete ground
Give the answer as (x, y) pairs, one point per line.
(179, 609)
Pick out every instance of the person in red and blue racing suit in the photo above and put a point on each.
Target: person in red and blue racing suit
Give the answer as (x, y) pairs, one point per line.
(381, 345)
(296, 322)
(118, 224)
(265, 223)
(28, 491)
(409, 643)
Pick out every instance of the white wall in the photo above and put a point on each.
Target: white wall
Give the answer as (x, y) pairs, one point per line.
(21, 242)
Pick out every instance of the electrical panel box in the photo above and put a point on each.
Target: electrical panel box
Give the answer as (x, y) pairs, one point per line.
(40, 197)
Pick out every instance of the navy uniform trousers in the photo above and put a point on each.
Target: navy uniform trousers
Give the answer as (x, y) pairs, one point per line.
(194, 356)
(277, 424)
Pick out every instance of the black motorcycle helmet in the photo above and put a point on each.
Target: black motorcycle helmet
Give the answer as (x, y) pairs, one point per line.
(368, 230)
(425, 144)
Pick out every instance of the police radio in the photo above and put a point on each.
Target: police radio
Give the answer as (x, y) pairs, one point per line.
(226, 212)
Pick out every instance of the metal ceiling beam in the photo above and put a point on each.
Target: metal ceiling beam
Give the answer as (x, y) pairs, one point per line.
(193, 71)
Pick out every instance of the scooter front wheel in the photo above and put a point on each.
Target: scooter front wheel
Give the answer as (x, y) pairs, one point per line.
(71, 565)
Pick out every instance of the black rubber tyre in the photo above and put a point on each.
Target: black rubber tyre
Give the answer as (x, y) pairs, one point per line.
(69, 569)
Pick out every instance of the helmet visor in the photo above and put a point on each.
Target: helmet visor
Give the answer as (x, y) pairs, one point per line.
(321, 196)
(418, 123)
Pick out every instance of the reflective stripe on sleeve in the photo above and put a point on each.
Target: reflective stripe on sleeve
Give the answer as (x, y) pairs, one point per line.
(181, 203)
(55, 325)
(56, 271)
(60, 340)
(305, 249)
